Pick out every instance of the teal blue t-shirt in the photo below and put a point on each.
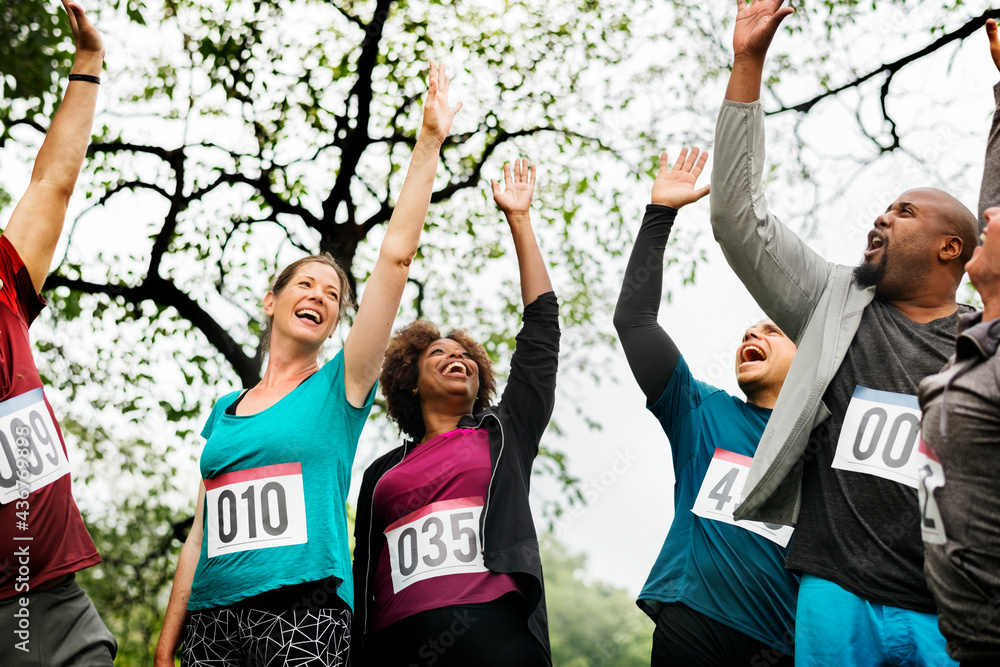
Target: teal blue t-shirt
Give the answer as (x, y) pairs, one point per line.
(276, 492)
(730, 574)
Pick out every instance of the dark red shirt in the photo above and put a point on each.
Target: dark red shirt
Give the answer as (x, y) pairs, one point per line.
(431, 503)
(42, 535)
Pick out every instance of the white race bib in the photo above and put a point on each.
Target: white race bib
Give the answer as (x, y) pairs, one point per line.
(721, 491)
(931, 477)
(260, 508)
(438, 539)
(31, 454)
(879, 436)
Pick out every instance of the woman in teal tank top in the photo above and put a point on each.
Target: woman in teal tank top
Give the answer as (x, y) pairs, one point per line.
(264, 575)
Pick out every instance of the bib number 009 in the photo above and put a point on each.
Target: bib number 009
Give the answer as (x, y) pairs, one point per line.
(879, 436)
(260, 508)
(439, 539)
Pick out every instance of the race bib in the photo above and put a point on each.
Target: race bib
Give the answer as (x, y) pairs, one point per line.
(721, 491)
(438, 539)
(879, 436)
(931, 477)
(260, 508)
(31, 454)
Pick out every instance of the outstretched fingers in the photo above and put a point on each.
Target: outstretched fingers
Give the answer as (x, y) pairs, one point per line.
(691, 161)
(664, 165)
(85, 36)
(674, 187)
(681, 159)
(991, 33)
(699, 166)
(523, 172)
(432, 81)
(71, 12)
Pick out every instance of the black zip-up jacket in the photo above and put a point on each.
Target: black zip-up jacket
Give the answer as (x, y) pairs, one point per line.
(508, 539)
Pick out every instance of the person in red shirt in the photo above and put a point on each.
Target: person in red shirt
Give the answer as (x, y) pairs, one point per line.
(45, 617)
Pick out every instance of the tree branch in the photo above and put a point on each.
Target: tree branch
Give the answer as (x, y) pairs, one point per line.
(165, 293)
(363, 91)
(350, 17)
(967, 29)
(119, 146)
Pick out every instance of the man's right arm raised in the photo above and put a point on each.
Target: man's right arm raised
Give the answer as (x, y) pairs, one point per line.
(782, 273)
(652, 354)
(37, 221)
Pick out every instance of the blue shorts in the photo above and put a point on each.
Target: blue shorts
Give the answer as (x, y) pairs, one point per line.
(835, 627)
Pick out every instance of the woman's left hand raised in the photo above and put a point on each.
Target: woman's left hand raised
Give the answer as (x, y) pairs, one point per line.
(438, 115)
(519, 186)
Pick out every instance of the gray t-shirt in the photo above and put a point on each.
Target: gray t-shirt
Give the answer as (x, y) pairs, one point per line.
(858, 530)
(964, 571)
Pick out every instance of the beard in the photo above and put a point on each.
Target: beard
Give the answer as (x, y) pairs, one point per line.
(868, 274)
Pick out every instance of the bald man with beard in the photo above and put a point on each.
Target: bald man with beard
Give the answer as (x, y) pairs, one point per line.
(838, 457)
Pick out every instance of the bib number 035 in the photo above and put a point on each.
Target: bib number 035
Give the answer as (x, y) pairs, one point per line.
(260, 508)
(879, 436)
(438, 539)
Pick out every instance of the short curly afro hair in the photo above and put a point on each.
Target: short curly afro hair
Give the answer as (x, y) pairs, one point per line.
(401, 368)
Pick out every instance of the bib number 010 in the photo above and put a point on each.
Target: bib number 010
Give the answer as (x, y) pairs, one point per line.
(260, 508)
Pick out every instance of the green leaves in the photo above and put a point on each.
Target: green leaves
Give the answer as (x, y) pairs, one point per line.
(35, 55)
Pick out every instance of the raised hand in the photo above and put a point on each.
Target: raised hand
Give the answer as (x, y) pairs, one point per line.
(755, 26)
(675, 187)
(991, 32)
(519, 186)
(89, 44)
(438, 115)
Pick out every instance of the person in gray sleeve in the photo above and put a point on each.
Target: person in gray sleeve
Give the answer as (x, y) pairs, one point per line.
(960, 450)
(838, 457)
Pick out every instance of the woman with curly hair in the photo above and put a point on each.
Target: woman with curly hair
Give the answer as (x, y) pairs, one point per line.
(264, 576)
(446, 563)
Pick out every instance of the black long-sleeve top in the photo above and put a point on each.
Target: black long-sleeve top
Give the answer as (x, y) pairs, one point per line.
(652, 354)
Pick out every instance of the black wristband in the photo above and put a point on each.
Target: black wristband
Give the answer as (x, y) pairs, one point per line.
(85, 77)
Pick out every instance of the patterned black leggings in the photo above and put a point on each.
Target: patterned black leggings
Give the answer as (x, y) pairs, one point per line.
(228, 637)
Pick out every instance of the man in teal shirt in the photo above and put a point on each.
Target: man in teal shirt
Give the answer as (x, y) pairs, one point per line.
(718, 592)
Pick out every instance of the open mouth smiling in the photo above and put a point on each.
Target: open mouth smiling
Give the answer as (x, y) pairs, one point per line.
(310, 315)
(455, 368)
(875, 242)
(752, 354)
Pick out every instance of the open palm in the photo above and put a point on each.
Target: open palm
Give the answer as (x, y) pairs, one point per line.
(519, 187)
(438, 115)
(675, 187)
(756, 25)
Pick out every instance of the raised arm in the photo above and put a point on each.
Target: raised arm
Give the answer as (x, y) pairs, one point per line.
(176, 614)
(785, 276)
(529, 395)
(37, 221)
(515, 202)
(752, 35)
(365, 345)
(651, 353)
(989, 193)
